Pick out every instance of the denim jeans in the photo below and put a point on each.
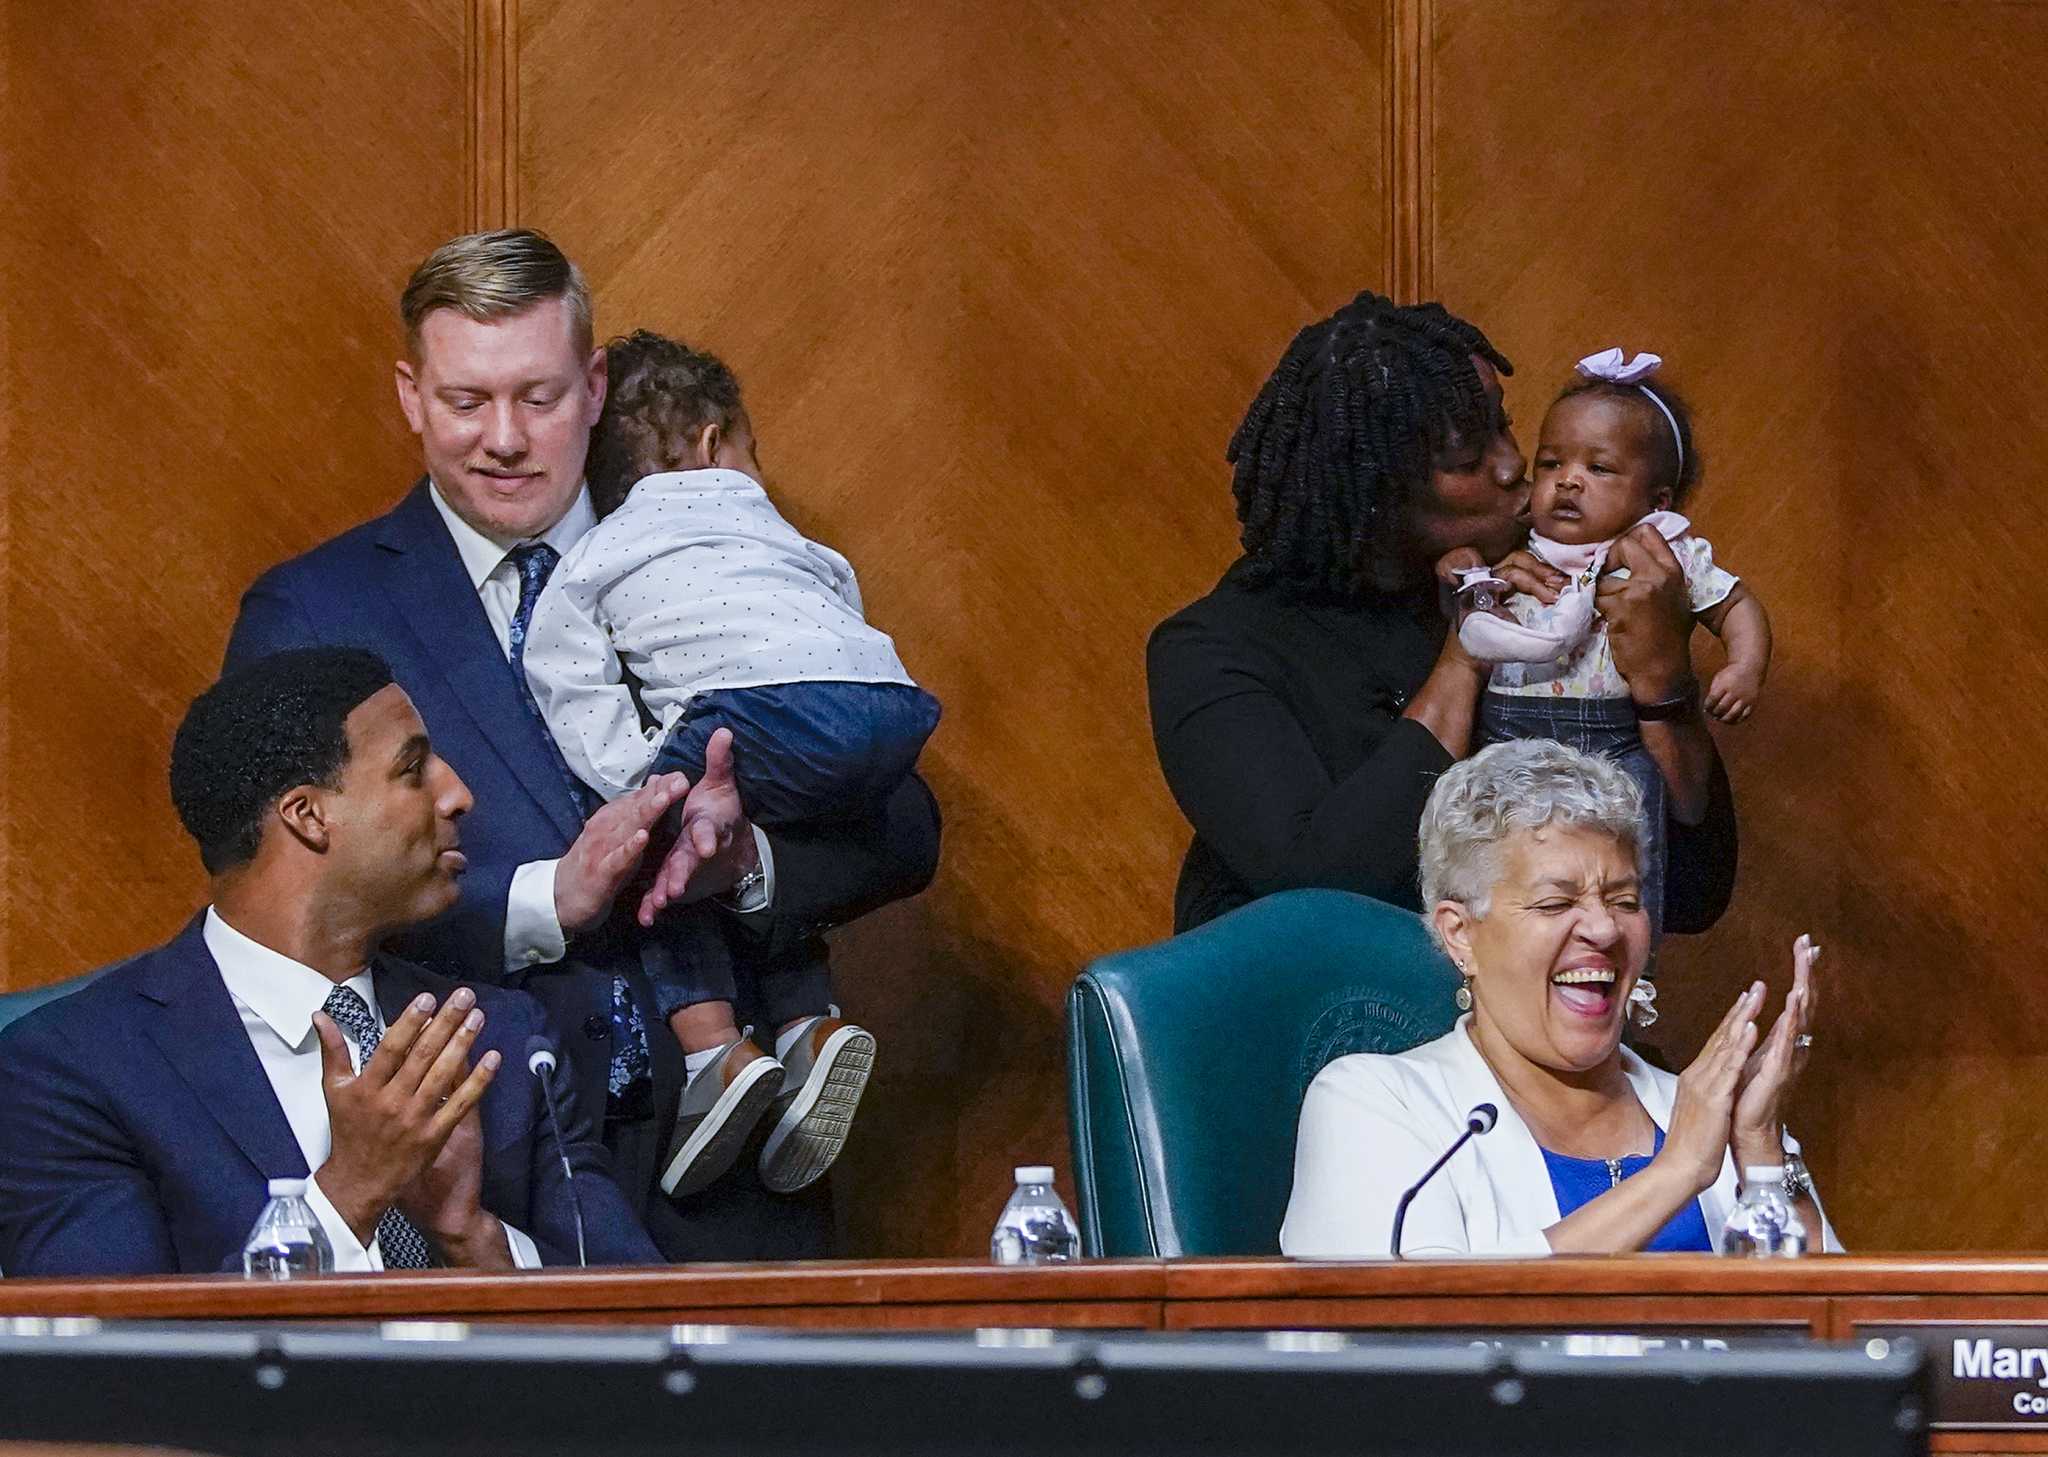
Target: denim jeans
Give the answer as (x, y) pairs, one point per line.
(1604, 726)
(807, 751)
(699, 953)
(803, 752)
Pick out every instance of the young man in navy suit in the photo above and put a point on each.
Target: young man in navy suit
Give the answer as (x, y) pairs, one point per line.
(273, 1038)
(502, 382)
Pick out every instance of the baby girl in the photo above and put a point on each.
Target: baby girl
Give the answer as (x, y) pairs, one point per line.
(1615, 451)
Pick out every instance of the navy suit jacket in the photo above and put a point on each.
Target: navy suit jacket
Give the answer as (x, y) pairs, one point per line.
(139, 1129)
(397, 586)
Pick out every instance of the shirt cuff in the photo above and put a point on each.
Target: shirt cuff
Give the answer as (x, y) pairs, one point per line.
(351, 1255)
(525, 1253)
(532, 934)
(762, 895)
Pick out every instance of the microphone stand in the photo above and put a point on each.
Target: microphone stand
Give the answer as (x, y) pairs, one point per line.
(541, 1064)
(1479, 1120)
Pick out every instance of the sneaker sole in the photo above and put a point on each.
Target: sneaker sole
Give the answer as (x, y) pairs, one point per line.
(714, 1144)
(813, 1128)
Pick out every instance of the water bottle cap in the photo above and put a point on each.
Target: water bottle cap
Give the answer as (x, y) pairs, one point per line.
(1034, 1174)
(287, 1188)
(1764, 1174)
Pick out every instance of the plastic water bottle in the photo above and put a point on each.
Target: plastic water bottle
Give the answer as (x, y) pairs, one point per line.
(287, 1241)
(1036, 1228)
(1763, 1224)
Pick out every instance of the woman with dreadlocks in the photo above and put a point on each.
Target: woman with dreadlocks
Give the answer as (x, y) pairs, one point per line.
(1304, 708)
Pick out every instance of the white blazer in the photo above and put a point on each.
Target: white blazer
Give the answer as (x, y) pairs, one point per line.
(1371, 1124)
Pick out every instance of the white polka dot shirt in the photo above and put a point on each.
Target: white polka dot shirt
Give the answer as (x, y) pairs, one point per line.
(695, 583)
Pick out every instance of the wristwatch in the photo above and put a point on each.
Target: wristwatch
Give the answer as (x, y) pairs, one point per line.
(1798, 1183)
(1669, 710)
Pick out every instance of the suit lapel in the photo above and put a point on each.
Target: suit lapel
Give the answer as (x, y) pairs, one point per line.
(425, 578)
(1510, 1152)
(397, 982)
(201, 1035)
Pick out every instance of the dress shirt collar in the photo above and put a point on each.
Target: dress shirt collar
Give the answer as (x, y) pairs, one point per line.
(482, 554)
(283, 992)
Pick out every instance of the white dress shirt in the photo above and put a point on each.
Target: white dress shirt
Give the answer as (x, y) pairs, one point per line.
(533, 932)
(1372, 1123)
(277, 998)
(696, 583)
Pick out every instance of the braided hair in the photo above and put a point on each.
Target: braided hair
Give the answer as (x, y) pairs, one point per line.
(1344, 432)
(660, 397)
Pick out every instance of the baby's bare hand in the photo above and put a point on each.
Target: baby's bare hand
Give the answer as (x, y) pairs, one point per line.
(1732, 696)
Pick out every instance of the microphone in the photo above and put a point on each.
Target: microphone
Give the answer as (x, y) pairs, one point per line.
(1480, 1120)
(540, 1061)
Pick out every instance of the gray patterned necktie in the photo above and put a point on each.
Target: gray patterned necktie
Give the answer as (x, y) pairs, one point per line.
(398, 1238)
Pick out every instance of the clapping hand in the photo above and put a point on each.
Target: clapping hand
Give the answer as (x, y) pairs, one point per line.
(445, 1201)
(392, 1120)
(715, 846)
(1697, 1141)
(1773, 1070)
(597, 866)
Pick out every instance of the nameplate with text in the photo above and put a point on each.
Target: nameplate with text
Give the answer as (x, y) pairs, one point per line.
(1984, 1377)
(1620, 1341)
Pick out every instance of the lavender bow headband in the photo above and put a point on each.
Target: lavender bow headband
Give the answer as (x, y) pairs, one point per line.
(1611, 366)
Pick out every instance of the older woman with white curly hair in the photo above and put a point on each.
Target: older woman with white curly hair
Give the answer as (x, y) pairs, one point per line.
(1531, 880)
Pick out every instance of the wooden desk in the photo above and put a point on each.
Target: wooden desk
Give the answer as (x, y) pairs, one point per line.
(1823, 1297)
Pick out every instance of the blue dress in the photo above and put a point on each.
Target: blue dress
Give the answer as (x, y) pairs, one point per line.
(1579, 1182)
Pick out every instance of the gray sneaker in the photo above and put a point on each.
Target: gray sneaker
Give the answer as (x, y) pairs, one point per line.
(720, 1106)
(824, 1075)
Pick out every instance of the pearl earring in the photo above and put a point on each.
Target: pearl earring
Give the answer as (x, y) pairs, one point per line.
(1463, 996)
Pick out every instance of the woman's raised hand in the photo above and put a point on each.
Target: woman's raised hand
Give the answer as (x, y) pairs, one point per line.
(1522, 570)
(1457, 559)
(1532, 576)
(1701, 1114)
(1649, 618)
(1773, 1070)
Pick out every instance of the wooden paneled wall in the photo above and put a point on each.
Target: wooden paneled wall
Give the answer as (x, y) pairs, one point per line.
(209, 209)
(999, 279)
(1000, 276)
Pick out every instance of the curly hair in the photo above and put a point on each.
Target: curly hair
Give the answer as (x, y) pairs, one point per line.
(661, 397)
(1679, 466)
(1344, 432)
(1521, 784)
(267, 727)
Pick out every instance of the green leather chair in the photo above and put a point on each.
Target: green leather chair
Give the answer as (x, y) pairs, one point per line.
(16, 1005)
(1187, 1062)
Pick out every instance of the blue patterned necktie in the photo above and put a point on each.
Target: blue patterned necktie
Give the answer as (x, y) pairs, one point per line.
(535, 562)
(398, 1238)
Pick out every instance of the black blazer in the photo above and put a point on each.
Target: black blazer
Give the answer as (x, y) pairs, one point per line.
(1278, 724)
(138, 1127)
